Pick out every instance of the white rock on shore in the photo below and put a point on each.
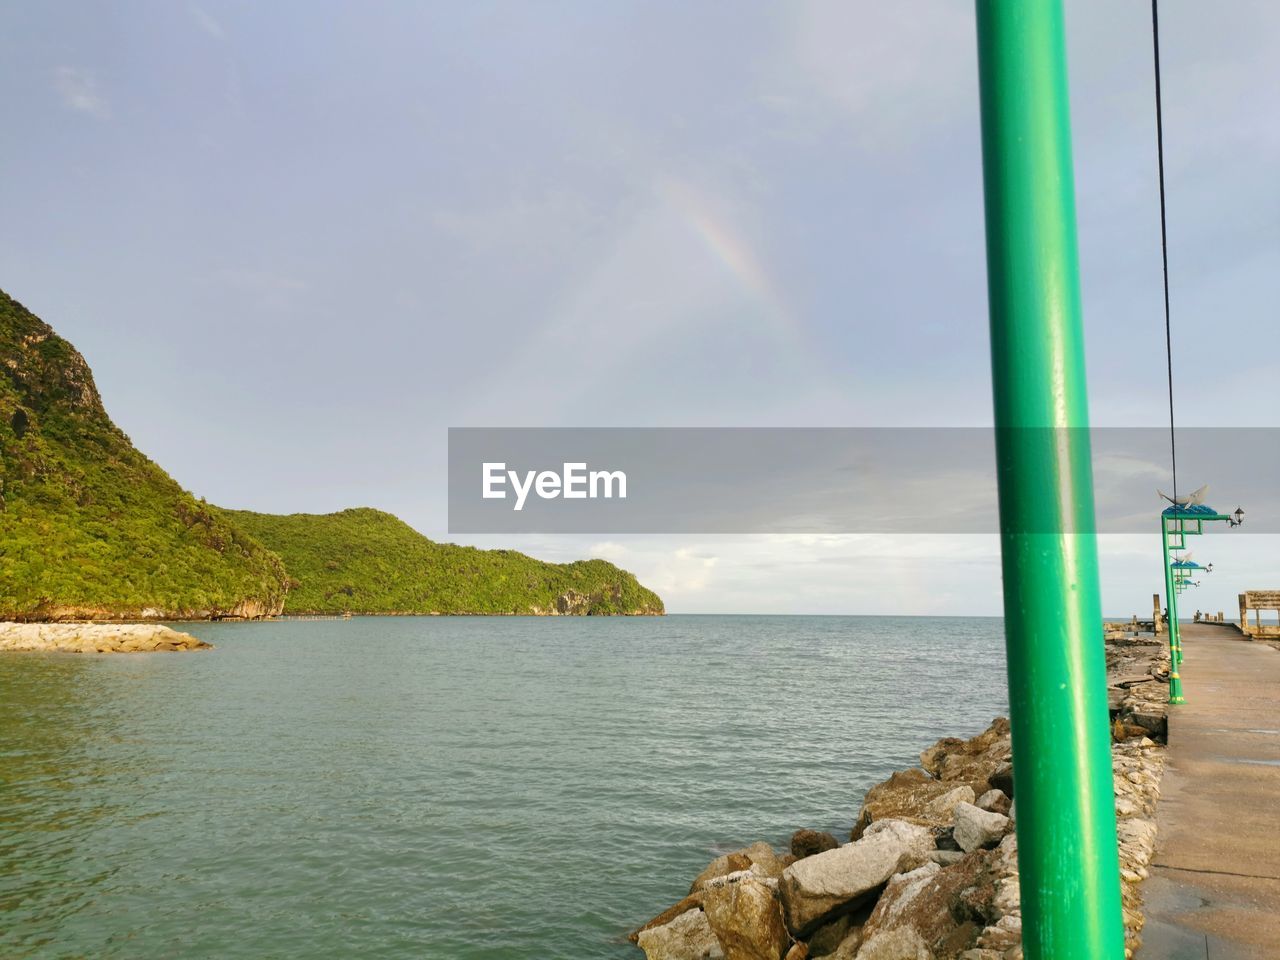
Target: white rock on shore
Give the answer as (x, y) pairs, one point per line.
(817, 886)
(96, 638)
(687, 937)
(742, 909)
(975, 827)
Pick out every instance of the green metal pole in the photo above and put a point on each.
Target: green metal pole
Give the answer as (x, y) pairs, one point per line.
(1171, 599)
(1067, 856)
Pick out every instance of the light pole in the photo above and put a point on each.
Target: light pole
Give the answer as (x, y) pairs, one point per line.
(1067, 858)
(1177, 522)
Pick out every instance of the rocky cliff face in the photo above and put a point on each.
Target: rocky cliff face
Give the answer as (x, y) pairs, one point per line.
(89, 527)
(255, 609)
(43, 369)
(571, 603)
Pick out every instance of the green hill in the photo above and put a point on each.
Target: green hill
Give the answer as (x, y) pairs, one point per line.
(89, 527)
(367, 561)
(92, 529)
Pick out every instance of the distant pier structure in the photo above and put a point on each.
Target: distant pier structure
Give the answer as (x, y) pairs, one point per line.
(1257, 601)
(311, 616)
(1159, 623)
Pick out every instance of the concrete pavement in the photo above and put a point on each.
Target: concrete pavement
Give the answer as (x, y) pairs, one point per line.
(1214, 889)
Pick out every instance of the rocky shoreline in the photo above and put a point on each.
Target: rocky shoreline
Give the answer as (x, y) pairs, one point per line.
(930, 871)
(96, 638)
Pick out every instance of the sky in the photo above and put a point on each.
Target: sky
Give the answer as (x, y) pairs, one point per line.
(298, 241)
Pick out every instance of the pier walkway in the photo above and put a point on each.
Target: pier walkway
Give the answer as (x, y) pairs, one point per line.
(1214, 889)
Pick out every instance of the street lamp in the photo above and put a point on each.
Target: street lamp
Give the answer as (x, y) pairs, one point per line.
(1185, 516)
(1184, 567)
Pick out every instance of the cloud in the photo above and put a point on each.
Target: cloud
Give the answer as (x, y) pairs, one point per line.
(706, 559)
(899, 71)
(552, 221)
(681, 573)
(608, 550)
(896, 575)
(1123, 467)
(262, 280)
(677, 261)
(268, 289)
(79, 91)
(206, 22)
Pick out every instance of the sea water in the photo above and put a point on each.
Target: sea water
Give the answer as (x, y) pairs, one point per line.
(467, 787)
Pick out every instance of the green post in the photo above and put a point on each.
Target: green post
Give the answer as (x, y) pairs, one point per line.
(1067, 856)
(1175, 640)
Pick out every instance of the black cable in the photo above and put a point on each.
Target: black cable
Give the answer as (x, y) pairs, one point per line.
(1164, 243)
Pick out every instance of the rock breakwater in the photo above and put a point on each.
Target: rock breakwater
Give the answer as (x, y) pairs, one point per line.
(96, 638)
(930, 871)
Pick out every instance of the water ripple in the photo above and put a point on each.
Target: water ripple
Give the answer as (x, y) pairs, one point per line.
(504, 788)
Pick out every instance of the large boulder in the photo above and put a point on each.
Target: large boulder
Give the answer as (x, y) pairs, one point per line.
(687, 937)
(1152, 717)
(994, 800)
(817, 888)
(719, 867)
(911, 795)
(805, 843)
(901, 943)
(976, 827)
(848, 948)
(931, 758)
(827, 938)
(694, 900)
(890, 913)
(759, 857)
(971, 761)
(746, 918)
(950, 909)
(765, 861)
(942, 807)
